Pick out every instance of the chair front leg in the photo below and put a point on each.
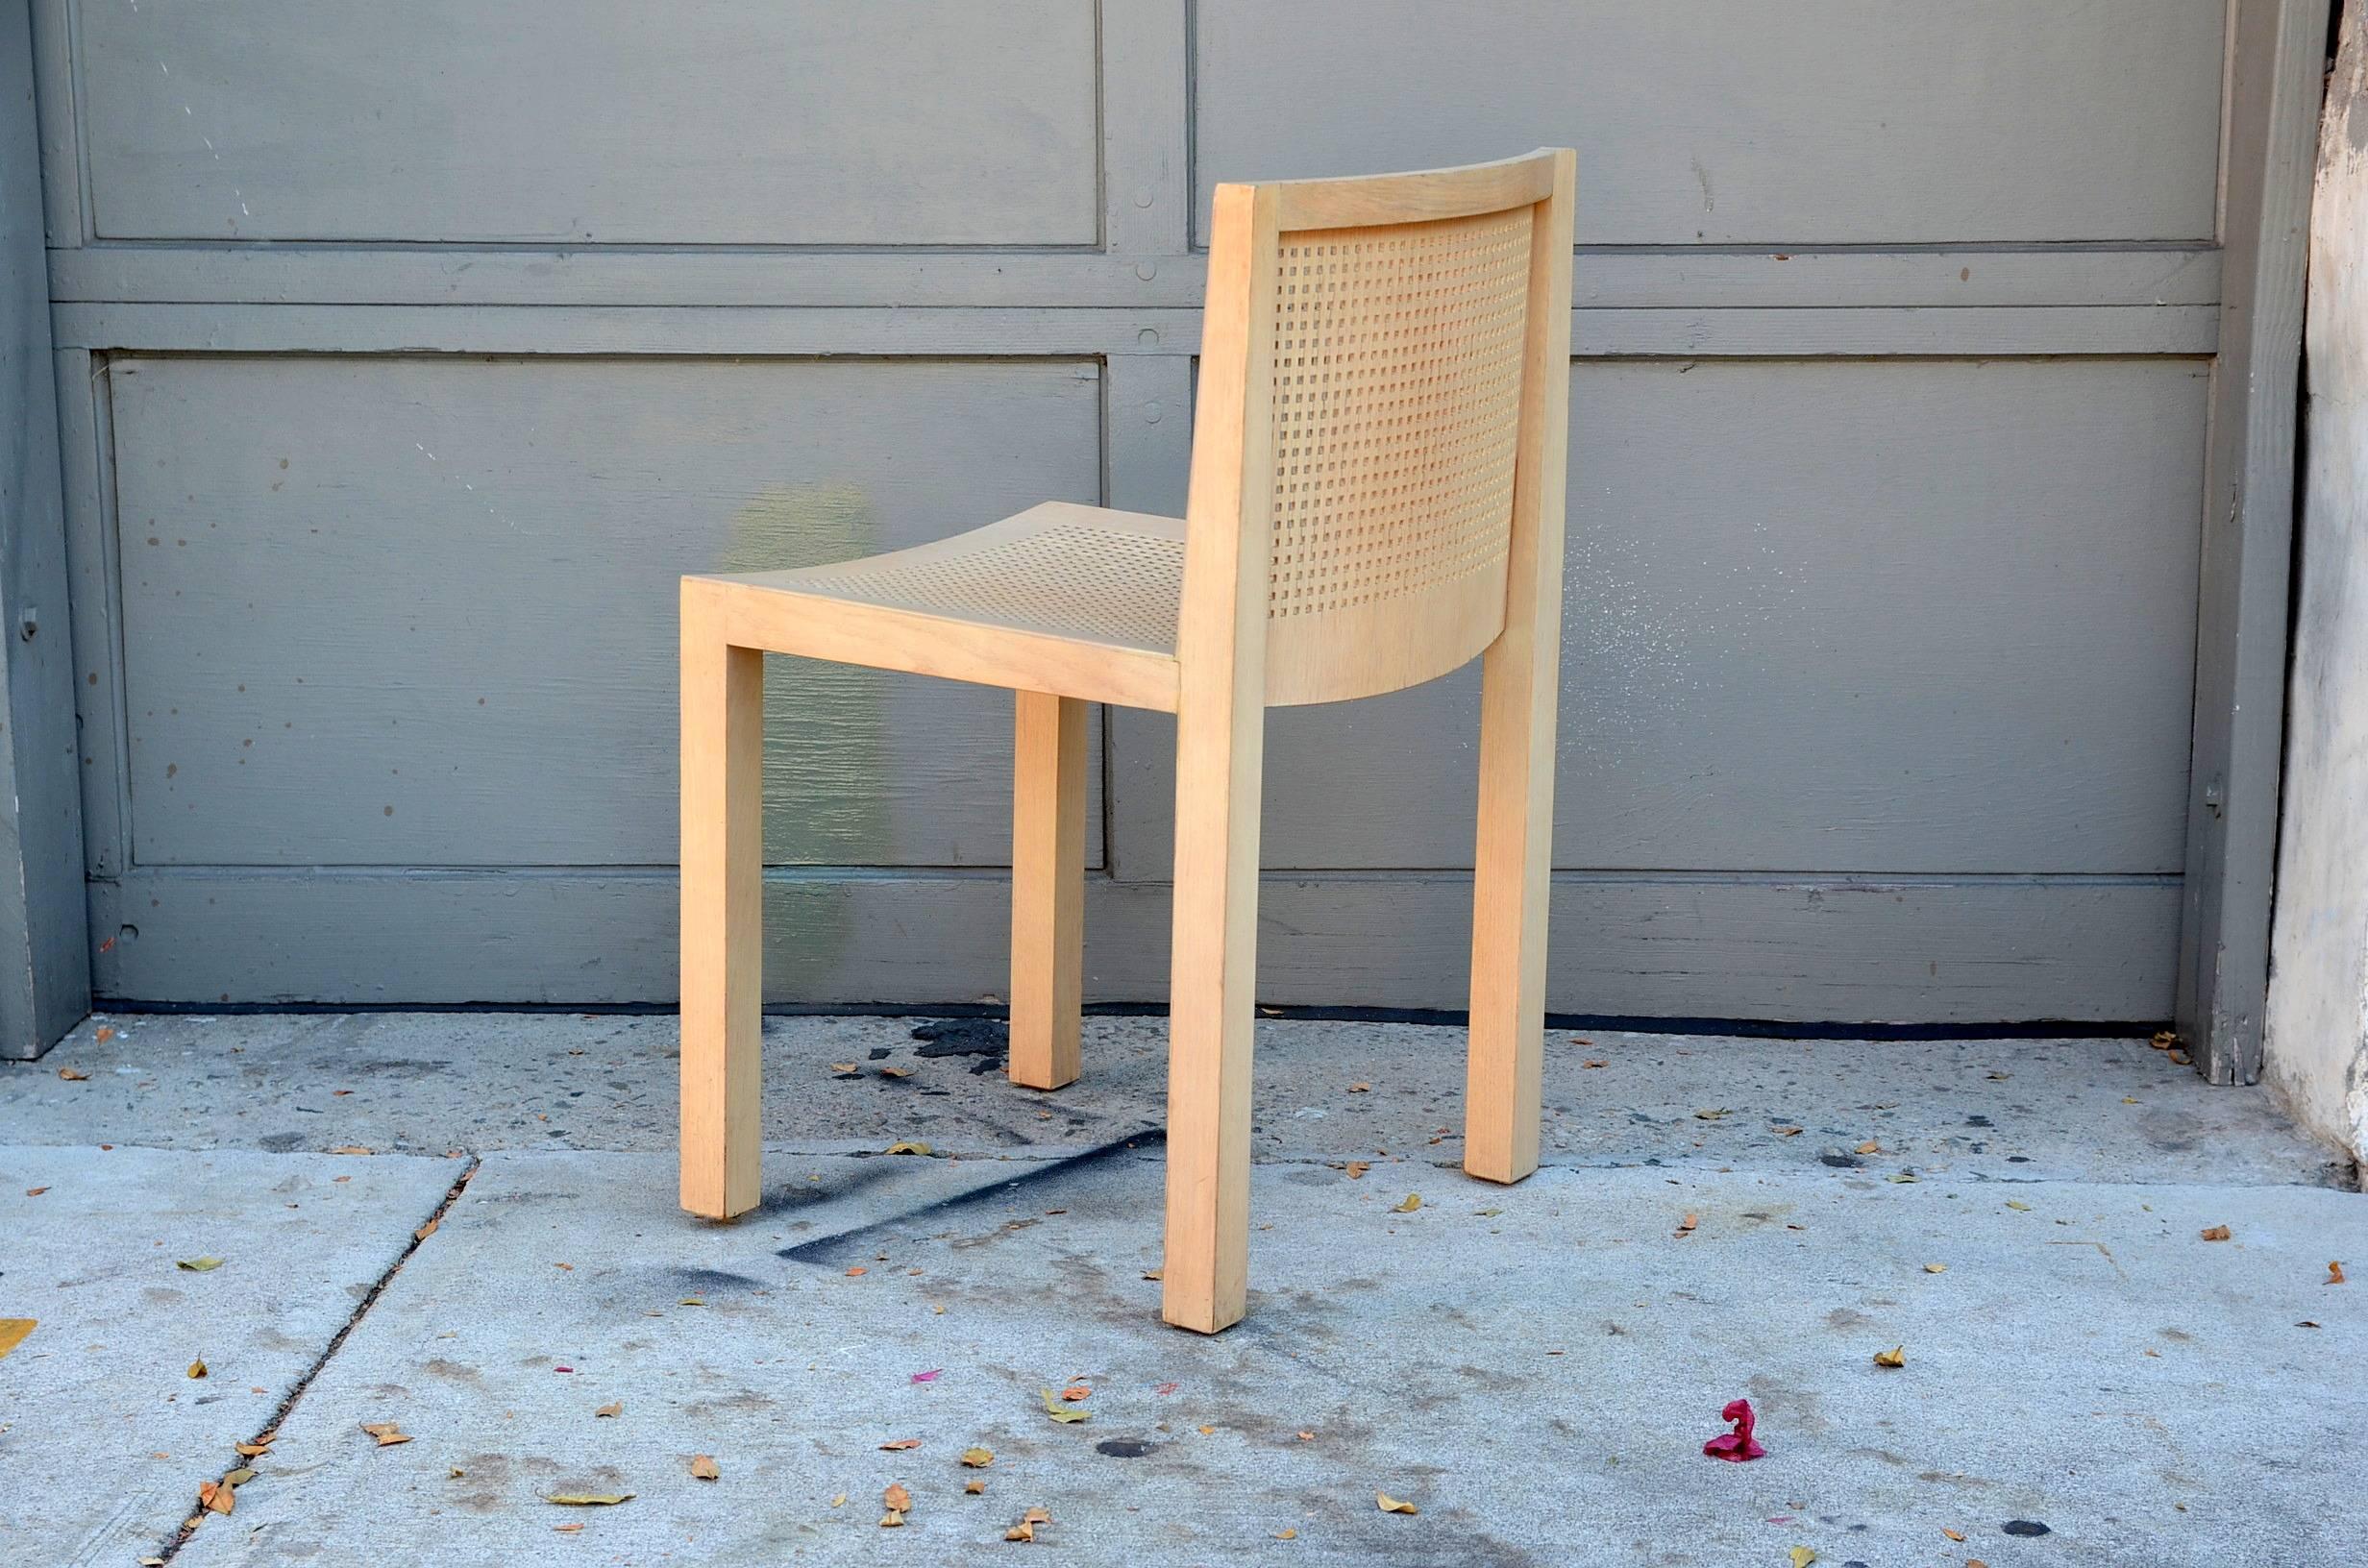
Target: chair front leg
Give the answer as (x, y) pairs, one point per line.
(722, 914)
(1212, 982)
(1047, 888)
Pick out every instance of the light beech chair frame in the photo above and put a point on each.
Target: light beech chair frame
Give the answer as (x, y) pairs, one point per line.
(1357, 608)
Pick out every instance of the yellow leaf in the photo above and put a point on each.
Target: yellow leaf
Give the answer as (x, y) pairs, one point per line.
(617, 1408)
(854, 1068)
(199, 1266)
(979, 1459)
(197, 1368)
(1414, 1201)
(1870, 1146)
(692, 1301)
(2013, 1204)
(12, 1332)
(1390, 1505)
(351, 1149)
(1802, 1556)
(1059, 1411)
(839, 1502)
(1896, 1356)
(1286, 1534)
(590, 1500)
(238, 1477)
(1936, 1268)
(908, 1147)
(1711, 1115)
(702, 1467)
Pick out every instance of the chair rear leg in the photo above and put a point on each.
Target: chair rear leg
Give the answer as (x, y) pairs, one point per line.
(722, 914)
(1510, 886)
(1047, 888)
(1210, 1016)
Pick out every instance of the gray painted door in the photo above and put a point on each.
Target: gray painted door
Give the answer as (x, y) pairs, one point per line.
(405, 355)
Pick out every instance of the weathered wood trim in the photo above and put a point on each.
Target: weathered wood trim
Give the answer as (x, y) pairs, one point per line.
(1982, 949)
(1147, 187)
(2278, 53)
(1847, 332)
(66, 203)
(44, 921)
(1672, 279)
(86, 439)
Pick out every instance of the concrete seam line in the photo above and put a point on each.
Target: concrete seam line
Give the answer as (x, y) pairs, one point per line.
(287, 1406)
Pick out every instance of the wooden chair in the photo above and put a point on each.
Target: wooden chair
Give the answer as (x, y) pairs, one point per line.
(1376, 497)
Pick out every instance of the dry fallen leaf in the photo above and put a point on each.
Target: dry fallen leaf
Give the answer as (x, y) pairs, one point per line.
(898, 1502)
(2216, 1233)
(104, 1035)
(351, 1149)
(566, 1530)
(213, 1497)
(1360, 1089)
(617, 1408)
(858, 1270)
(426, 1231)
(1061, 1412)
(73, 1075)
(253, 1450)
(978, 1458)
(34, 1191)
(702, 1468)
(1711, 1115)
(1594, 1064)
(1802, 1556)
(238, 1477)
(587, 1500)
(839, 1502)
(1023, 1530)
(1154, 1273)
(2334, 1272)
(1413, 1202)
(895, 1072)
(1076, 1391)
(896, 1445)
(2163, 1039)
(197, 1368)
(199, 1266)
(1390, 1505)
(1035, 1516)
(1952, 1534)
(1870, 1146)
(907, 1146)
(1687, 1223)
(1788, 1131)
(388, 1435)
(2013, 1203)
(1286, 1534)
(1936, 1268)
(1901, 1176)
(1358, 1168)
(975, 1486)
(1896, 1356)
(847, 1069)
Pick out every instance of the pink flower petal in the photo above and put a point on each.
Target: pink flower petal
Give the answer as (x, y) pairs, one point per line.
(1738, 1445)
(927, 1377)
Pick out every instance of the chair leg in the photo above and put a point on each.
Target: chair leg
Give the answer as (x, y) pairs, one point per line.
(1510, 883)
(1210, 1013)
(722, 914)
(1047, 888)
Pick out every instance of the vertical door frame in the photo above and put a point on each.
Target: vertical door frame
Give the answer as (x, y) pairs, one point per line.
(45, 908)
(2268, 142)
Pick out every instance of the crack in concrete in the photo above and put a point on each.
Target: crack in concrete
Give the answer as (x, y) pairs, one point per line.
(420, 1233)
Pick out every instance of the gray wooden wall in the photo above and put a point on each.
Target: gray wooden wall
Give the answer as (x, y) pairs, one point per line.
(407, 354)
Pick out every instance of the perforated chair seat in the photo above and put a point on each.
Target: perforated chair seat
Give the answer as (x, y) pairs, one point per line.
(1059, 572)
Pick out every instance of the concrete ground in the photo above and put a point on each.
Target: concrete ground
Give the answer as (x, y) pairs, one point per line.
(464, 1225)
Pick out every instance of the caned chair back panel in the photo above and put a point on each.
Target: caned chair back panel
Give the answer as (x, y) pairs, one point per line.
(1389, 343)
